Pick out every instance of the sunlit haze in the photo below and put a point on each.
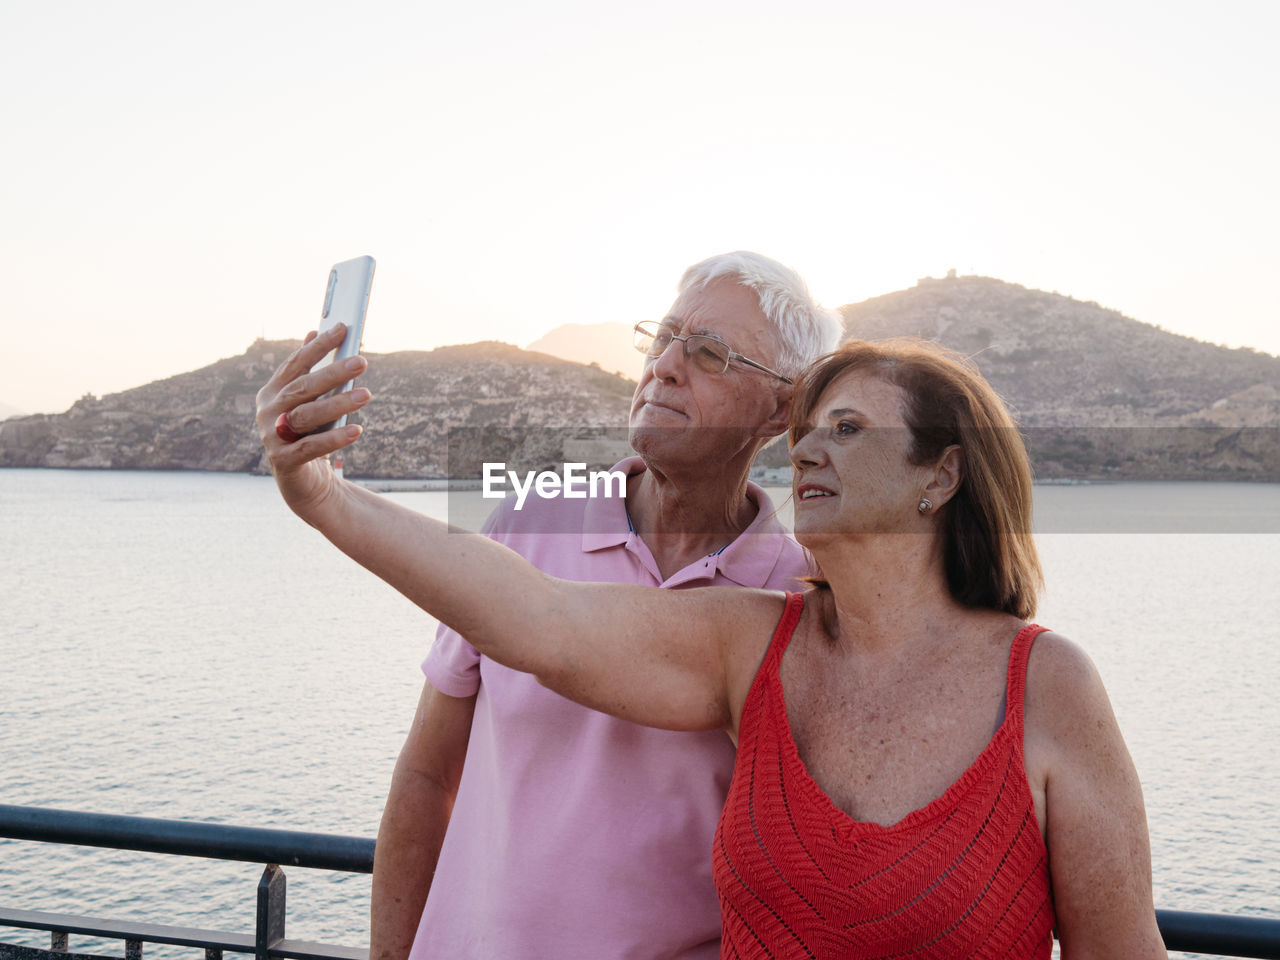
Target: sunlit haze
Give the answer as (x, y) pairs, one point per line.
(177, 178)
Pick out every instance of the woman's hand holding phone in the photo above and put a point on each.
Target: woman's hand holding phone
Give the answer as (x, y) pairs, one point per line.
(308, 400)
(302, 409)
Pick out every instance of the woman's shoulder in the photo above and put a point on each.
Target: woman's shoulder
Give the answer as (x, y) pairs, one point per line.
(1066, 701)
(746, 618)
(1058, 666)
(756, 616)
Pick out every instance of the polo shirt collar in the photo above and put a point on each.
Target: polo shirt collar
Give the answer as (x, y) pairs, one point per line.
(748, 560)
(751, 557)
(605, 520)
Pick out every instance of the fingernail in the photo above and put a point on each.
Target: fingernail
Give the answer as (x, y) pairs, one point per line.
(354, 431)
(355, 363)
(361, 395)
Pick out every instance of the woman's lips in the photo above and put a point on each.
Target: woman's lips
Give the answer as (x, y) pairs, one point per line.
(812, 491)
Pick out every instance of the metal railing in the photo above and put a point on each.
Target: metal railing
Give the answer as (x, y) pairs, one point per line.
(1208, 933)
(192, 839)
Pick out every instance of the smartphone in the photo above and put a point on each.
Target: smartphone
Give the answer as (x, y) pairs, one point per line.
(346, 299)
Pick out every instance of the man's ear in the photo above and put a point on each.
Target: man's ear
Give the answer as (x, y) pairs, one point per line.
(948, 472)
(780, 419)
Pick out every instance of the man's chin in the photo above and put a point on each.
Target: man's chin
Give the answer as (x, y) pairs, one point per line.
(660, 443)
(708, 449)
(646, 429)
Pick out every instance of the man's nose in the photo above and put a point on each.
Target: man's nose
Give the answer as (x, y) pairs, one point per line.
(670, 363)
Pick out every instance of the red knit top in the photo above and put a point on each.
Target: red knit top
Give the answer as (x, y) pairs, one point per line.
(967, 875)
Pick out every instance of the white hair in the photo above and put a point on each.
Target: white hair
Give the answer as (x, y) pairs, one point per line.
(805, 330)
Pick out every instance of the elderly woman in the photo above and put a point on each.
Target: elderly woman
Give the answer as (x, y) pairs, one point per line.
(921, 772)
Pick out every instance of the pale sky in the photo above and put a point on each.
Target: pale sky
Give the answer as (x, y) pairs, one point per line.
(177, 178)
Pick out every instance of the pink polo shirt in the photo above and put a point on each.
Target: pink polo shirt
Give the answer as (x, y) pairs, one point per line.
(576, 835)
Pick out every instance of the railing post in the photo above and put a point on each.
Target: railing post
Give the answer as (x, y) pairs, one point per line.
(58, 941)
(133, 950)
(270, 926)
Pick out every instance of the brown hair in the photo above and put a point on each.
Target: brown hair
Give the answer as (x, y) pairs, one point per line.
(988, 551)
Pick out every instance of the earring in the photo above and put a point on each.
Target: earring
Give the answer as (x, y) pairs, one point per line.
(925, 505)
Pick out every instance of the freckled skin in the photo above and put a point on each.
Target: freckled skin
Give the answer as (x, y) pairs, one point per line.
(859, 435)
(893, 688)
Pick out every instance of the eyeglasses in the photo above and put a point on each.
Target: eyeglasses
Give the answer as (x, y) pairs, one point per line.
(708, 354)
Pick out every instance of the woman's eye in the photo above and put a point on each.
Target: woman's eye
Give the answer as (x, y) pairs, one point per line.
(846, 428)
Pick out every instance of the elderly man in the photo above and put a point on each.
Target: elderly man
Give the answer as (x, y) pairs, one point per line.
(519, 824)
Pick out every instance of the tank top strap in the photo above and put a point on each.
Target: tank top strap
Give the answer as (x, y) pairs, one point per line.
(1016, 683)
(782, 633)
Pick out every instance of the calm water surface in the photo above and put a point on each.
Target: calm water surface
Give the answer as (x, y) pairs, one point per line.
(179, 645)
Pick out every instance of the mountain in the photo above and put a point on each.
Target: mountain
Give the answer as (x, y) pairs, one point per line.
(1097, 393)
(434, 414)
(607, 345)
(7, 411)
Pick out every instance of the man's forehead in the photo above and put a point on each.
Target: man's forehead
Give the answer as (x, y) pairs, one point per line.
(722, 307)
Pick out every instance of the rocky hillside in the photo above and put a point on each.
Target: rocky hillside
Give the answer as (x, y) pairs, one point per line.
(1097, 393)
(476, 402)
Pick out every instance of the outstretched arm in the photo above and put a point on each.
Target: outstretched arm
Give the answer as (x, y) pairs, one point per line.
(658, 657)
(1096, 825)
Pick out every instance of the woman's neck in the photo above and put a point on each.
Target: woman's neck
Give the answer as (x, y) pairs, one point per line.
(885, 589)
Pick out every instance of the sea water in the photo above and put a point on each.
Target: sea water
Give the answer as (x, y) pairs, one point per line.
(179, 645)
